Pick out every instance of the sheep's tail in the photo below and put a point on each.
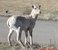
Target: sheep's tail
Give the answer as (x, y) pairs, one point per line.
(8, 23)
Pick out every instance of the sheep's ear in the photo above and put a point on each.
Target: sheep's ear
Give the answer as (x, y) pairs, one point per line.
(32, 6)
(39, 6)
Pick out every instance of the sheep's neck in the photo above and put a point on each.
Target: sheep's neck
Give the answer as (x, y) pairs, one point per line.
(35, 17)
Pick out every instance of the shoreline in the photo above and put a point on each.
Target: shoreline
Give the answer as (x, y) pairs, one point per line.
(39, 18)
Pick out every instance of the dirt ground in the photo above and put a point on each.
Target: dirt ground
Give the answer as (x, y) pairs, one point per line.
(5, 46)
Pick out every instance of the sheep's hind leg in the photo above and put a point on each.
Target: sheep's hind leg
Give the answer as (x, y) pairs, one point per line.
(9, 37)
(19, 32)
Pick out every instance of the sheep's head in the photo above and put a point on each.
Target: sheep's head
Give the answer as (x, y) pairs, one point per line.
(35, 11)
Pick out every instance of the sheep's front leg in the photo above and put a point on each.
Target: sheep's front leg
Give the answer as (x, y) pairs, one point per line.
(26, 36)
(31, 37)
(19, 32)
(9, 36)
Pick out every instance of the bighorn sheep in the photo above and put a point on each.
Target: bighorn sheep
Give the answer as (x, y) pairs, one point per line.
(23, 23)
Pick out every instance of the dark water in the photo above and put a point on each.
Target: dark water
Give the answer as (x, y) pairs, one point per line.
(44, 31)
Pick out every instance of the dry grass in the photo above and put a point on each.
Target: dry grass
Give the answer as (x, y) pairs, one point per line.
(49, 8)
(5, 46)
(48, 5)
